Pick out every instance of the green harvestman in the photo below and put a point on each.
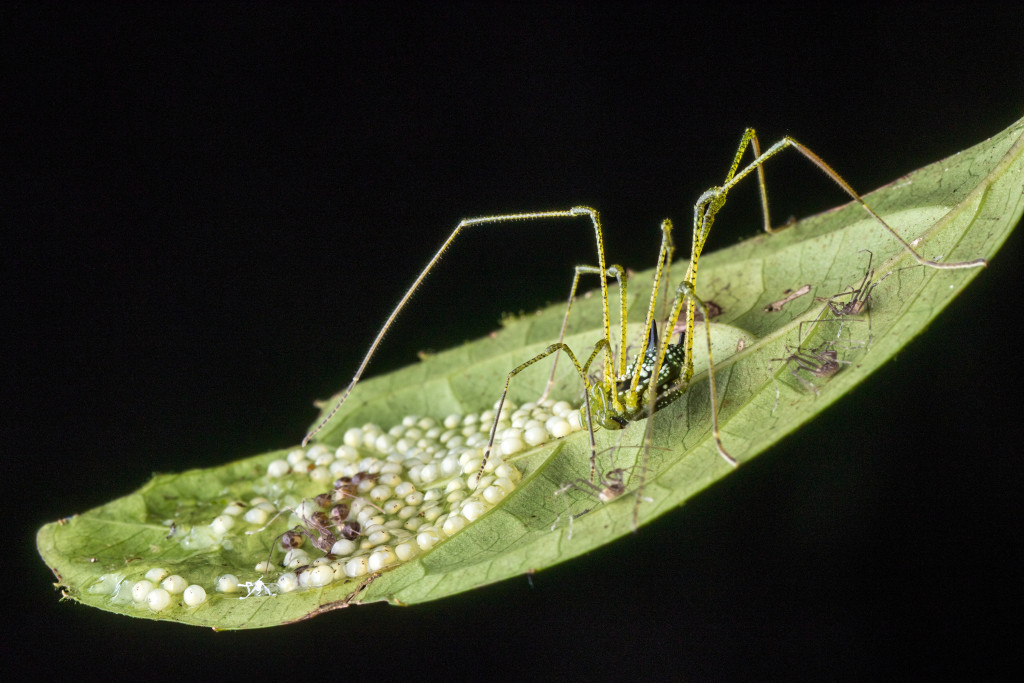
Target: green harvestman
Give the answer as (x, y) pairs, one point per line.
(662, 373)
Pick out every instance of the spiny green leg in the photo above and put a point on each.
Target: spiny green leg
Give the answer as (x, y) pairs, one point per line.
(750, 138)
(664, 260)
(704, 211)
(615, 271)
(715, 197)
(684, 293)
(469, 222)
(581, 369)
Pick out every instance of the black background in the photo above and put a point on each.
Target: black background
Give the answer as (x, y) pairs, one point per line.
(210, 210)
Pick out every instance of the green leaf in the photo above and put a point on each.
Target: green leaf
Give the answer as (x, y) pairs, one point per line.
(960, 208)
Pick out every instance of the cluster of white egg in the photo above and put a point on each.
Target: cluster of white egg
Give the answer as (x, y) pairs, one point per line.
(158, 588)
(410, 487)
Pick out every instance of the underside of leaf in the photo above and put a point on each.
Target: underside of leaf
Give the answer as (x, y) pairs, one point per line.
(776, 332)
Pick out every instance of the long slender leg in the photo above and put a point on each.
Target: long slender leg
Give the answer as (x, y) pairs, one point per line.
(581, 369)
(615, 271)
(717, 194)
(470, 222)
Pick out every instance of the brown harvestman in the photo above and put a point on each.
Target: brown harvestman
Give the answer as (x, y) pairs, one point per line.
(662, 373)
(323, 529)
(857, 299)
(609, 486)
(822, 361)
